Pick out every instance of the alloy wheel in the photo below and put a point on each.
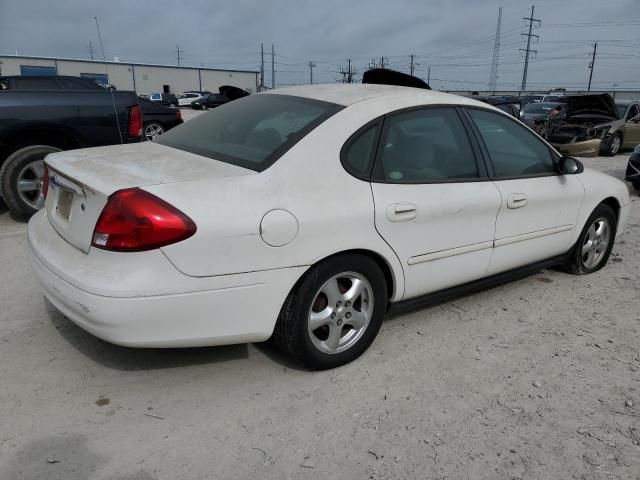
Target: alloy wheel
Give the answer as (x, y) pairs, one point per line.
(616, 142)
(153, 130)
(596, 242)
(340, 312)
(30, 184)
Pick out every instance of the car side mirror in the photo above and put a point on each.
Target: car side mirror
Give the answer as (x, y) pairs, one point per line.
(571, 166)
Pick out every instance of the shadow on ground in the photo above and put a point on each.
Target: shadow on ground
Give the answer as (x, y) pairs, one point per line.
(60, 457)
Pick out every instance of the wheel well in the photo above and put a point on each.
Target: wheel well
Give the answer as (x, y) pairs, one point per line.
(379, 259)
(52, 136)
(613, 203)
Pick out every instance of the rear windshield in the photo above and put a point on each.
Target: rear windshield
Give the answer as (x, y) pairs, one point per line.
(251, 132)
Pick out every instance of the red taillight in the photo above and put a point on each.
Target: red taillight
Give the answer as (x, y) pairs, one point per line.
(45, 182)
(134, 220)
(135, 121)
(178, 114)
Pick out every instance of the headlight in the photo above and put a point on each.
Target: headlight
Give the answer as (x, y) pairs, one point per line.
(599, 132)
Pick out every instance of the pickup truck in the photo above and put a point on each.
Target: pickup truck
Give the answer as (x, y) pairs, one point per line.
(41, 115)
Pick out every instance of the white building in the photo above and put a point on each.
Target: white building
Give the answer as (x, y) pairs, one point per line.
(143, 78)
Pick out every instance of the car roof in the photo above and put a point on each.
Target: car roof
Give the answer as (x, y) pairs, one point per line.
(346, 94)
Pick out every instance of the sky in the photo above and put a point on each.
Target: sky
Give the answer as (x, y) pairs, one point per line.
(454, 38)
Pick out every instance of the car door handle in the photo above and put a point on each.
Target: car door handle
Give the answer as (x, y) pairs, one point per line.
(402, 212)
(516, 200)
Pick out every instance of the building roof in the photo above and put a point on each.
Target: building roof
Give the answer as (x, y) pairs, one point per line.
(350, 93)
(135, 64)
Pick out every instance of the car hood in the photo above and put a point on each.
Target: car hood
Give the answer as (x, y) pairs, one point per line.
(591, 105)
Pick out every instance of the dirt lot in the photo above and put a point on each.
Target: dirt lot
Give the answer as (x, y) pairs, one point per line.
(539, 378)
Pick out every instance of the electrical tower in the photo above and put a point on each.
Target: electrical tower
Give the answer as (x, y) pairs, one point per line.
(347, 75)
(179, 53)
(91, 50)
(311, 65)
(493, 76)
(528, 50)
(592, 64)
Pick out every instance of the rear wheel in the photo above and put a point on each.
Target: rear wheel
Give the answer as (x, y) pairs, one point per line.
(21, 179)
(152, 130)
(334, 312)
(595, 242)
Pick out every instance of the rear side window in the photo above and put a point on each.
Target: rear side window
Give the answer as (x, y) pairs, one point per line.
(77, 84)
(424, 146)
(513, 149)
(252, 132)
(357, 154)
(35, 84)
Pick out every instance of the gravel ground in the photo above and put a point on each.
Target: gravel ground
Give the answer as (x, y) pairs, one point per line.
(539, 378)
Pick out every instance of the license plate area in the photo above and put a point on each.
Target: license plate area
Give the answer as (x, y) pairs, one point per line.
(65, 200)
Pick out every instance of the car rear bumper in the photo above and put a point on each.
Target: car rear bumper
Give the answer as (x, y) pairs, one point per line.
(206, 311)
(588, 148)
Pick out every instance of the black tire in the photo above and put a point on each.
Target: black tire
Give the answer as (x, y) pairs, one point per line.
(614, 146)
(204, 107)
(636, 186)
(292, 334)
(10, 172)
(173, 105)
(576, 264)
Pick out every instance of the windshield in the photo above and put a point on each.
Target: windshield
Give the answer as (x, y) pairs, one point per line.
(540, 107)
(252, 132)
(622, 109)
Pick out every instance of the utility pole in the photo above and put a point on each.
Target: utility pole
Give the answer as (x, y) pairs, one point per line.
(347, 75)
(179, 53)
(91, 50)
(429, 76)
(528, 50)
(311, 65)
(273, 67)
(411, 68)
(592, 64)
(493, 76)
(261, 67)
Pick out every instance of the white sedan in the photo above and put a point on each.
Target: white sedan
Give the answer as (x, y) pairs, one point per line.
(185, 99)
(305, 214)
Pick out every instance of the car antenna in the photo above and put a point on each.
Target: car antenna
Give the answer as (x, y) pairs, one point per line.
(106, 70)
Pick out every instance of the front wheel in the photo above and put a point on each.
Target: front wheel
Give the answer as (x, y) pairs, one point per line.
(595, 242)
(21, 179)
(614, 146)
(334, 312)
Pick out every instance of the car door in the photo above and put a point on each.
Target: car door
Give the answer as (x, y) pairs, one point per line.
(434, 204)
(632, 127)
(539, 207)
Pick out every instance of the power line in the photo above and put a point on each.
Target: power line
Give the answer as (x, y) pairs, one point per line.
(528, 49)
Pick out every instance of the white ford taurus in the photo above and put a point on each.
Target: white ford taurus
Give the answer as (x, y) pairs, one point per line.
(305, 214)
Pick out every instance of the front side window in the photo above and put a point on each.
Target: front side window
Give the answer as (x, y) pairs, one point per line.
(424, 146)
(633, 112)
(514, 150)
(251, 132)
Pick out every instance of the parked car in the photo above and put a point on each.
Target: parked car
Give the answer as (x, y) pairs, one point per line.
(334, 204)
(537, 111)
(40, 115)
(633, 169)
(166, 99)
(211, 100)
(629, 112)
(507, 104)
(185, 99)
(589, 126)
(157, 119)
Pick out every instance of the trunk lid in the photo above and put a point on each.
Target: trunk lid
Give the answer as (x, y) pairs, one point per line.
(81, 181)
